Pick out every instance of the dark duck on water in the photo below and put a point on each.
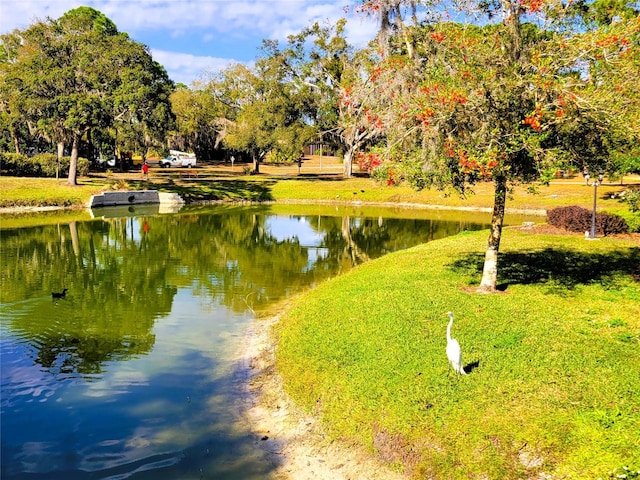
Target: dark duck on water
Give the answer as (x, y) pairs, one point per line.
(61, 294)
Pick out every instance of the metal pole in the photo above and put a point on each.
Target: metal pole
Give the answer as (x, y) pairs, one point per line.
(593, 215)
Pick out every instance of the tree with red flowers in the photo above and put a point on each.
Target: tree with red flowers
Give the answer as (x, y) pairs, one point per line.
(331, 76)
(527, 88)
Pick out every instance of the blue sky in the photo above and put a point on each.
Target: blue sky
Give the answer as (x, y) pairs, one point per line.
(194, 37)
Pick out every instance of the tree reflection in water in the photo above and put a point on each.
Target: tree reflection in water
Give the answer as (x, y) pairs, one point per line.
(154, 304)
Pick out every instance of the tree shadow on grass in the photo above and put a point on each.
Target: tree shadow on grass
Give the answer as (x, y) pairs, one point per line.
(195, 190)
(320, 177)
(562, 267)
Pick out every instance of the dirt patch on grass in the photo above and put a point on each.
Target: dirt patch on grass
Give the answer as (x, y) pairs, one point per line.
(293, 441)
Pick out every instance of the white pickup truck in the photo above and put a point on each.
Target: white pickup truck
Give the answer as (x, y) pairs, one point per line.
(178, 159)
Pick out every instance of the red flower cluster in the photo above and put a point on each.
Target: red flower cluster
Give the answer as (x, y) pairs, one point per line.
(424, 116)
(437, 36)
(486, 171)
(375, 73)
(391, 178)
(612, 40)
(532, 5)
(449, 148)
(533, 120)
(368, 161)
(468, 165)
(345, 98)
(472, 166)
(373, 119)
(443, 96)
(370, 6)
(455, 98)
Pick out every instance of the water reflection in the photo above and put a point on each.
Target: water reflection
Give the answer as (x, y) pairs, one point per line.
(130, 375)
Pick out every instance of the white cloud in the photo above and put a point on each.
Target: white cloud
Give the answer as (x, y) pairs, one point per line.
(181, 17)
(197, 26)
(20, 14)
(241, 18)
(184, 67)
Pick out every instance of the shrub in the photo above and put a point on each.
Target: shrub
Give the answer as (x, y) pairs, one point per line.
(387, 173)
(578, 219)
(632, 220)
(632, 197)
(573, 218)
(83, 166)
(12, 164)
(609, 224)
(40, 165)
(45, 164)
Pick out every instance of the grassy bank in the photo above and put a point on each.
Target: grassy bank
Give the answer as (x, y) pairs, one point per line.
(553, 384)
(45, 192)
(217, 184)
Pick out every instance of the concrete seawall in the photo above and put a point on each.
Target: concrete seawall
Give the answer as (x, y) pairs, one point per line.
(133, 197)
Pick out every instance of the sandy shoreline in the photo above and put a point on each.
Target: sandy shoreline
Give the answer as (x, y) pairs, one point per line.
(292, 441)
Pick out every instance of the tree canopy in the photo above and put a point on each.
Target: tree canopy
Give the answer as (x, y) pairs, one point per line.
(523, 90)
(69, 76)
(263, 112)
(449, 93)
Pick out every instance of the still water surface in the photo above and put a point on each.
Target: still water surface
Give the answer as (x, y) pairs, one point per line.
(133, 374)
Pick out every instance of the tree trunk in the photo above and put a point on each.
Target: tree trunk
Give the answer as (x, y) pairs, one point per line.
(60, 155)
(75, 242)
(256, 164)
(347, 163)
(73, 163)
(490, 270)
(16, 141)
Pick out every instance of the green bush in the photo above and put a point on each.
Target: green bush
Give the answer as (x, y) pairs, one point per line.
(631, 218)
(387, 173)
(40, 165)
(13, 163)
(83, 166)
(632, 198)
(45, 164)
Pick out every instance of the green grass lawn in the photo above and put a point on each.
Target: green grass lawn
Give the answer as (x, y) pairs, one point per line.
(210, 186)
(43, 192)
(553, 361)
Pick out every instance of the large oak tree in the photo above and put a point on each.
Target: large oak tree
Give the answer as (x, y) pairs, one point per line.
(325, 69)
(78, 73)
(265, 112)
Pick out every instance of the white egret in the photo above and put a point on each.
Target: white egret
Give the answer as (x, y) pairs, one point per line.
(454, 353)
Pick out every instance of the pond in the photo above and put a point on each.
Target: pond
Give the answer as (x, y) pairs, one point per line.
(134, 373)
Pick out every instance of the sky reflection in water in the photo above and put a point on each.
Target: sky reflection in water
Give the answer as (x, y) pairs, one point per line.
(133, 374)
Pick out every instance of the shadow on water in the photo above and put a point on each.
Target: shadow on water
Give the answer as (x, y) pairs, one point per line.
(564, 267)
